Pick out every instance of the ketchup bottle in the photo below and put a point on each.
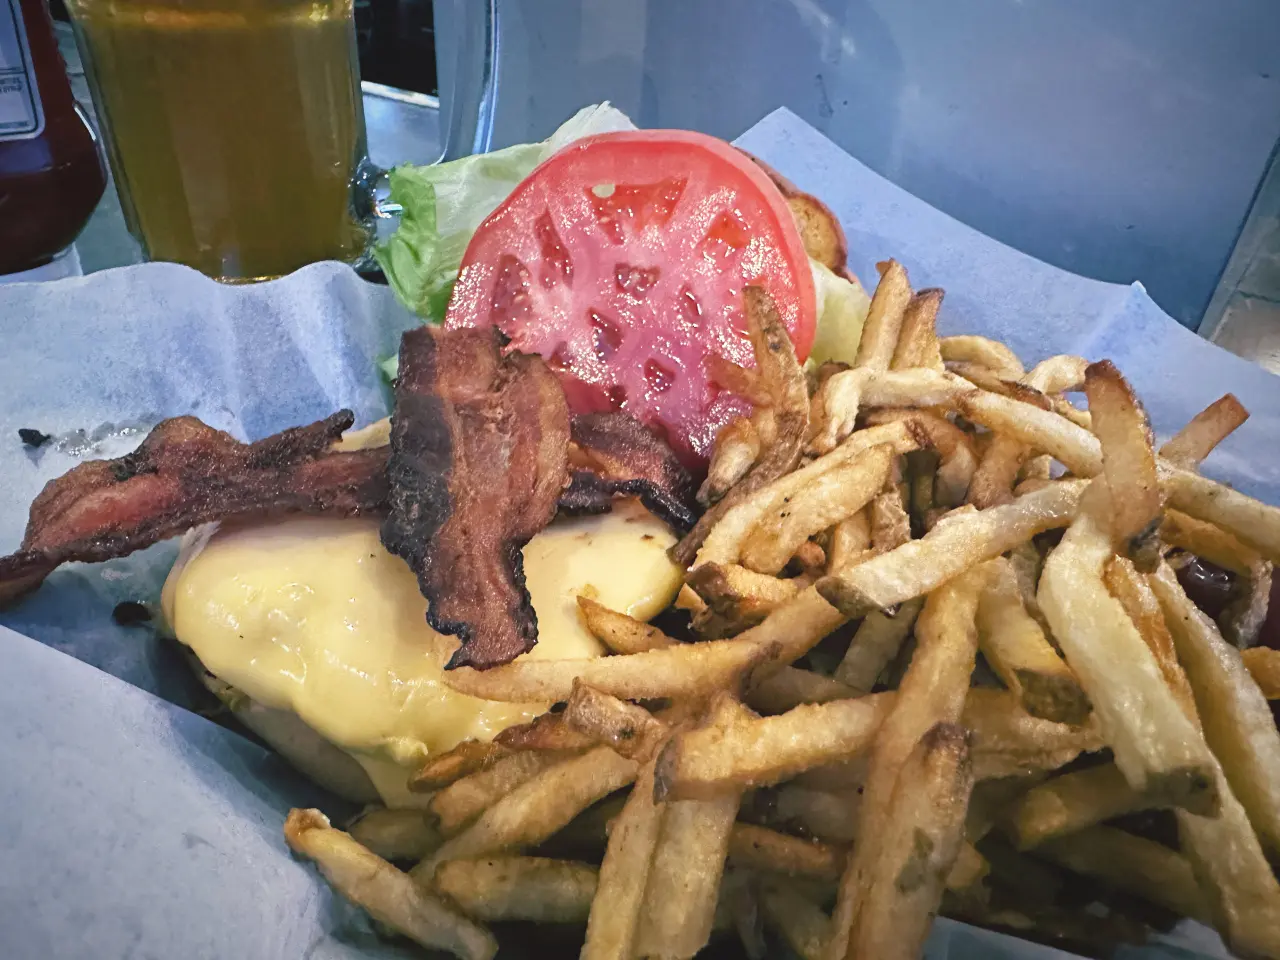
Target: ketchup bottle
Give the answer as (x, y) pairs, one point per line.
(51, 171)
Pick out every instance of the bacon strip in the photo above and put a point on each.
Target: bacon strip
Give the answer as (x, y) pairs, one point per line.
(479, 458)
(613, 455)
(184, 474)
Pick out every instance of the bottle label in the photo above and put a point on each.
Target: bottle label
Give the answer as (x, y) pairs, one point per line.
(21, 114)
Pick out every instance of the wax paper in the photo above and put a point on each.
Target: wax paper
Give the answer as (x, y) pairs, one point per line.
(133, 827)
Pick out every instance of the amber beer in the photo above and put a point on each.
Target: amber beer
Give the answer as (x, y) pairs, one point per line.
(234, 127)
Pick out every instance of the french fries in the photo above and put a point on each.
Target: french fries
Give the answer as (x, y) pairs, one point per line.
(537, 889)
(1263, 665)
(736, 451)
(798, 920)
(1009, 742)
(884, 319)
(466, 758)
(619, 632)
(1128, 463)
(992, 354)
(630, 730)
(769, 851)
(396, 834)
(918, 338)
(390, 897)
(1072, 802)
(877, 641)
(1156, 746)
(1204, 431)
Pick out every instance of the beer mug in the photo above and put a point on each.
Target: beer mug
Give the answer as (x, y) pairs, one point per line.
(235, 128)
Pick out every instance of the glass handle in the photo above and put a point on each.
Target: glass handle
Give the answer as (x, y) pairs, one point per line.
(467, 38)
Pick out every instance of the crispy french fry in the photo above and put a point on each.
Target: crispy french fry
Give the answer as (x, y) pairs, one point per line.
(1255, 523)
(1039, 429)
(1008, 741)
(396, 834)
(1132, 865)
(759, 848)
(1038, 467)
(463, 800)
(724, 541)
(684, 670)
(877, 641)
(994, 477)
(1069, 803)
(919, 566)
(537, 808)
(464, 759)
(832, 497)
(759, 751)
(918, 338)
(779, 690)
(615, 910)
(1156, 746)
(1133, 592)
(798, 920)
(884, 319)
(841, 397)
(780, 372)
(630, 730)
(826, 815)
(536, 889)
(744, 595)
(890, 522)
(1237, 720)
(1016, 649)
(958, 460)
(545, 732)
(619, 632)
(741, 381)
(736, 450)
(390, 896)
(916, 851)
(1058, 374)
(1204, 431)
(688, 863)
(991, 354)
(1128, 463)
(1263, 664)
(932, 692)
(848, 539)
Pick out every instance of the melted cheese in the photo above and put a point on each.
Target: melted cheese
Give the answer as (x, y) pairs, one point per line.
(314, 616)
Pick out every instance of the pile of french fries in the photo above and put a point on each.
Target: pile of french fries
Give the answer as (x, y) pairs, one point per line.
(943, 663)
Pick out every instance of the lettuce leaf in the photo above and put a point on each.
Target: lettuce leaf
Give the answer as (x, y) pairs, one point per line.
(443, 204)
(842, 310)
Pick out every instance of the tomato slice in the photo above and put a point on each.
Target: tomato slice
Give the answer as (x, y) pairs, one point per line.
(622, 260)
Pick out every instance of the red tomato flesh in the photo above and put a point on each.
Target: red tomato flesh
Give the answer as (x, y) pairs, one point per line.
(622, 260)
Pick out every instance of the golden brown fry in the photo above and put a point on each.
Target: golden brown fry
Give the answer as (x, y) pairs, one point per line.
(1204, 431)
(396, 834)
(919, 566)
(984, 378)
(1008, 741)
(877, 641)
(1133, 592)
(890, 522)
(781, 689)
(798, 920)
(688, 863)
(1070, 803)
(390, 896)
(921, 474)
(780, 372)
(1263, 664)
(1255, 523)
(724, 541)
(992, 354)
(735, 452)
(918, 338)
(463, 760)
(535, 889)
(537, 808)
(740, 381)
(683, 670)
(1039, 467)
(830, 498)
(848, 539)
(1039, 429)
(810, 557)
(462, 801)
(1016, 649)
(742, 594)
(619, 632)
(1238, 724)
(545, 732)
(629, 729)
(1059, 374)
(841, 397)
(932, 692)
(827, 815)
(1156, 746)
(1128, 463)
(759, 848)
(953, 445)
(884, 319)
(1027, 562)
(916, 850)
(993, 480)
(1132, 865)
(615, 911)
(766, 750)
